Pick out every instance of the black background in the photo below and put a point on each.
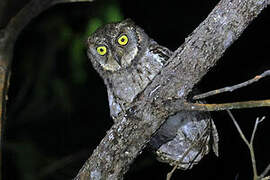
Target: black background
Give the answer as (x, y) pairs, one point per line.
(45, 125)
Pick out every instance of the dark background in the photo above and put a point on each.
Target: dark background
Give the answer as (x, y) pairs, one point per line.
(58, 110)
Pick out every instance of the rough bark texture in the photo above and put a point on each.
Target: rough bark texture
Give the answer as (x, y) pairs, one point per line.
(201, 50)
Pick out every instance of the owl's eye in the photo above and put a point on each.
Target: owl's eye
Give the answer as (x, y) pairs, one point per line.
(123, 40)
(102, 50)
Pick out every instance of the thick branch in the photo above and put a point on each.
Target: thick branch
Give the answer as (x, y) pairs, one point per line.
(126, 139)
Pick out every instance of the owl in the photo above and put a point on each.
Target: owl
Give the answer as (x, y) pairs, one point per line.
(127, 59)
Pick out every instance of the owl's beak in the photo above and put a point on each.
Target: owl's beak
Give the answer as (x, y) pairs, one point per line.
(118, 60)
(115, 58)
(114, 62)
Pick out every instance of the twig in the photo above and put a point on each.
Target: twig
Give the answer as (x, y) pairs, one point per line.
(169, 175)
(232, 88)
(220, 107)
(27, 13)
(258, 120)
(238, 128)
(250, 146)
(267, 169)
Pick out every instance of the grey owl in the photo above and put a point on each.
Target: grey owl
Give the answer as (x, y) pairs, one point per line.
(128, 60)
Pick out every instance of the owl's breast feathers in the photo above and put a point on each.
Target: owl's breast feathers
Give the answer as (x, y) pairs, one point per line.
(126, 84)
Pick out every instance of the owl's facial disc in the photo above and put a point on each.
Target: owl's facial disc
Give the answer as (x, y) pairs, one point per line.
(114, 46)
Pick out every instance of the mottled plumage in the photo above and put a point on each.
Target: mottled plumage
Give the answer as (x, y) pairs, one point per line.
(128, 60)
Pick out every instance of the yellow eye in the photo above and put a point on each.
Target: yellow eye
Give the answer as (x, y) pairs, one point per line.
(123, 40)
(102, 50)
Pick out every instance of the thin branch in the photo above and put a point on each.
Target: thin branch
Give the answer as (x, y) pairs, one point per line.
(258, 120)
(232, 88)
(29, 12)
(266, 170)
(218, 107)
(250, 146)
(169, 175)
(238, 128)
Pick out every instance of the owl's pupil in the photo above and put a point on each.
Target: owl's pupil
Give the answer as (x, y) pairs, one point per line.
(101, 50)
(122, 40)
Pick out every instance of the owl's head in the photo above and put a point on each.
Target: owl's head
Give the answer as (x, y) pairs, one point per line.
(115, 46)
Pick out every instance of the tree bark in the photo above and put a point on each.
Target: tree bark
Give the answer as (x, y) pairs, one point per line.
(190, 62)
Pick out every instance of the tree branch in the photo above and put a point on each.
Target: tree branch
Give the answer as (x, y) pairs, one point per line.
(264, 173)
(8, 37)
(189, 63)
(30, 11)
(250, 147)
(174, 107)
(232, 88)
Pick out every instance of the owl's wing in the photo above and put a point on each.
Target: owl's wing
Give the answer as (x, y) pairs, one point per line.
(188, 136)
(115, 107)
